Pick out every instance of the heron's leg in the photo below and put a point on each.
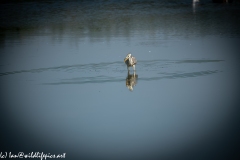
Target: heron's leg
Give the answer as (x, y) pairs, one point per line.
(134, 67)
(128, 68)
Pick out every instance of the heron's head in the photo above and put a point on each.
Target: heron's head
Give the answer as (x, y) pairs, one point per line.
(127, 57)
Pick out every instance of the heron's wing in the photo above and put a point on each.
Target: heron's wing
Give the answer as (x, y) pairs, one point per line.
(134, 60)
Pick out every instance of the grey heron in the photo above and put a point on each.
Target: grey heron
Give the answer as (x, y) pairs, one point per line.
(130, 61)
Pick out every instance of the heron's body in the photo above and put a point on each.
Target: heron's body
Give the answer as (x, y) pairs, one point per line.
(130, 61)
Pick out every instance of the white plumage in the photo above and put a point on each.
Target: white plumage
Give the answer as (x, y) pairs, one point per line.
(130, 61)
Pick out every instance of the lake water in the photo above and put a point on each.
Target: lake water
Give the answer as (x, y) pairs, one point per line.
(65, 87)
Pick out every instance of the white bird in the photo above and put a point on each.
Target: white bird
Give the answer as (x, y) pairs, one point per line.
(130, 61)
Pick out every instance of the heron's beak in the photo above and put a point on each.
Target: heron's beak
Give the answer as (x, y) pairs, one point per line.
(125, 59)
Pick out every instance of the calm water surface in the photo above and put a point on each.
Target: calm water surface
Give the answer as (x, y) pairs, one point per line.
(65, 87)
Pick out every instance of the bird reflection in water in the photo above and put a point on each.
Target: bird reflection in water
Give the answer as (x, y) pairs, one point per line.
(131, 80)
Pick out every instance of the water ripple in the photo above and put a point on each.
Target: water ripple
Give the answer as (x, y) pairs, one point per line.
(180, 75)
(110, 66)
(104, 79)
(67, 68)
(105, 72)
(84, 80)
